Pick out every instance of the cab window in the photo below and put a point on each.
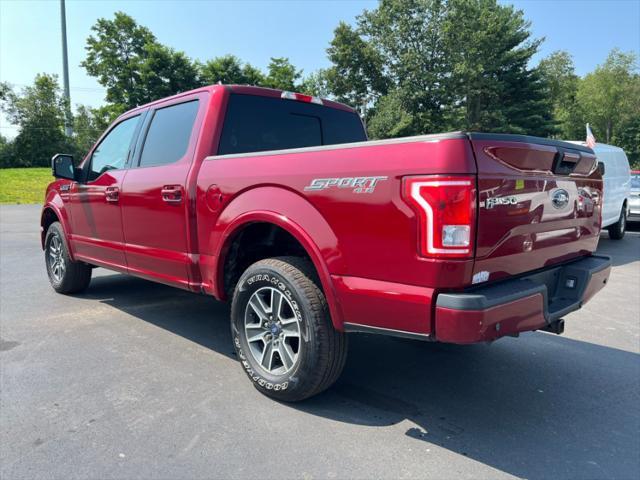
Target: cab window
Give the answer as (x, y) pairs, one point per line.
(112, 152)
(168, 136)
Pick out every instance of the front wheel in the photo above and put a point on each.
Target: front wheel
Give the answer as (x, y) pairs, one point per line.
(618, 229)
(282, 331)
(65, 275)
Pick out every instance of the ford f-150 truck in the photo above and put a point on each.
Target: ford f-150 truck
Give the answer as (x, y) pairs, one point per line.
(276, 201)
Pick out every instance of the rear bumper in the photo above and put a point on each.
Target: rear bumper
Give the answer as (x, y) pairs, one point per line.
(532, 302)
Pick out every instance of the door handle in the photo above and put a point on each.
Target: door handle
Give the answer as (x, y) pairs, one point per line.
(172, 193)
(112, 194)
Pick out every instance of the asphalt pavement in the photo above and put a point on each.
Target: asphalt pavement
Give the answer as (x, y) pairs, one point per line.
(138, 380)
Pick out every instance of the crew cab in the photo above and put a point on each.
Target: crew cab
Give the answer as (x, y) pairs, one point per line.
(277, 202)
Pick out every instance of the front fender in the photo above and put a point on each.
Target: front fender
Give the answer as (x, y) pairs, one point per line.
(294, 214)
(55, 204)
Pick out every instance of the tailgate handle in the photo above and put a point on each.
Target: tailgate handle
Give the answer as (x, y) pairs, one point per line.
(565, 162)
(569, 157)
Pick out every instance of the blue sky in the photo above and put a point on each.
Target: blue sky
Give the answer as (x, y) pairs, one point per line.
(256, 30)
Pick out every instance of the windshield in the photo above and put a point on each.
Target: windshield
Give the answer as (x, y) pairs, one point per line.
(635, 181)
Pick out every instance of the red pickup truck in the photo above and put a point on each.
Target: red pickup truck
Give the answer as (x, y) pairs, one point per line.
(277, 201)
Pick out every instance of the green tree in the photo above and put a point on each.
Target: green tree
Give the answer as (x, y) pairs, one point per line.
(357, 75)
(165, 72)
(316, 84)
(452, 64)
(114, 55)
(39, 111)
(558, 72)
(390, 118)
(88, 124)
(488, 48)
(228, 69)
(6, 152)
(282, 74)
(129, 62)
(610, 95)
(252, 75)
(408, 37)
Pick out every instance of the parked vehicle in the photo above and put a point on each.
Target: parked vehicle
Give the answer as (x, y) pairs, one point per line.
(634, 197)
(617, 188)
(278, 202)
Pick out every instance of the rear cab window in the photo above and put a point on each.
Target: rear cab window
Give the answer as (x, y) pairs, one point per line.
(255, 124)
(167, 138)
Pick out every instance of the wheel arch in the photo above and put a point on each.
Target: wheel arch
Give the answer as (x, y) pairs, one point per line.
(52, 213)
(290, 213)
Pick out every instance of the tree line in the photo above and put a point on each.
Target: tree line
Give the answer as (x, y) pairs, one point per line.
(408, 66)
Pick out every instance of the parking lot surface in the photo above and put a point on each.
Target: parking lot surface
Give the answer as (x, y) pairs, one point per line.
(137, 380)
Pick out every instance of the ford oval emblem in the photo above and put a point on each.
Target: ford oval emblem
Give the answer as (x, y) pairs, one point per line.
(560, 198)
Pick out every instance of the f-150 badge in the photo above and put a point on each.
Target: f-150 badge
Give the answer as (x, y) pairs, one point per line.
(358, 184)
(494, 201)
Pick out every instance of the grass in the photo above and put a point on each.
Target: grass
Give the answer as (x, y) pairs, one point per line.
(24, 185)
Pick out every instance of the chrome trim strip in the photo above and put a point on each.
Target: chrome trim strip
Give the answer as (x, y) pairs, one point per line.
(370, 143)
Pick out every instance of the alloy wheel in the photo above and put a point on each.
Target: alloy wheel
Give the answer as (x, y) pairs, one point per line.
(56, 258)
(272, 330)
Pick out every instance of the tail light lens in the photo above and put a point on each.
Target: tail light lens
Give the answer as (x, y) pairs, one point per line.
(446, 211)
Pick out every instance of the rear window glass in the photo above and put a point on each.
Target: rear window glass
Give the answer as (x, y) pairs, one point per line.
(168, 136)
(254, 124)
(635, 181)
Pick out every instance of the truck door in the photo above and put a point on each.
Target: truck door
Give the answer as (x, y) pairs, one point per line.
(94, 203)
(155, 204)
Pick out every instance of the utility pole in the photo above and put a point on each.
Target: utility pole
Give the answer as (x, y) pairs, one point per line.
(65, 70)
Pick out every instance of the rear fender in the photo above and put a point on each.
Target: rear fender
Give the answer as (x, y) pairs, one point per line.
(292, 213)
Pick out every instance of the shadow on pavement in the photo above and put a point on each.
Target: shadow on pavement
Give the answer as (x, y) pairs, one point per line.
(622, 251)
(198, 318)
(540, 406)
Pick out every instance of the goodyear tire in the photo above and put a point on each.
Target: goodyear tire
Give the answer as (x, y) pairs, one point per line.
(65, 275)
(618, 229)
(282, 331)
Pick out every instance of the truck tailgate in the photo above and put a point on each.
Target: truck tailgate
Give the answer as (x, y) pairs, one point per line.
(539, 204)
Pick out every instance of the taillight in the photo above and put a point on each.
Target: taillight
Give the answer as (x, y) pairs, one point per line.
(446, 211)
(301, 97)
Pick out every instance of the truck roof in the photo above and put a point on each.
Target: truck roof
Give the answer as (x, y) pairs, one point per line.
(241, 89)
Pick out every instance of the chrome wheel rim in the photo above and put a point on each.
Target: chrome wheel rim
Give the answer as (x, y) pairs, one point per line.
(272, 331)
(55, 258)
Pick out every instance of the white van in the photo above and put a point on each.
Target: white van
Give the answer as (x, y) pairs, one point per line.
(617, 188)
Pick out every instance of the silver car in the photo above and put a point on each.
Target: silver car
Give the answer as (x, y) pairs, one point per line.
(634, 198)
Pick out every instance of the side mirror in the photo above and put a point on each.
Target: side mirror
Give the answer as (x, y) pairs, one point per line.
(62, 166)
(601, 168)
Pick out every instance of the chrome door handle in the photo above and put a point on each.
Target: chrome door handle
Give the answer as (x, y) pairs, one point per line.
(172, 193)
(112, 194)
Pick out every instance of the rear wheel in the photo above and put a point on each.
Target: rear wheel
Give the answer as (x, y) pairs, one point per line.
(65, 275)
(282, 331)
(618, 229)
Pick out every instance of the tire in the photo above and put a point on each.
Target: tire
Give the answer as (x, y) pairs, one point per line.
(279, 364)
(65, 275)
(618, 229)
